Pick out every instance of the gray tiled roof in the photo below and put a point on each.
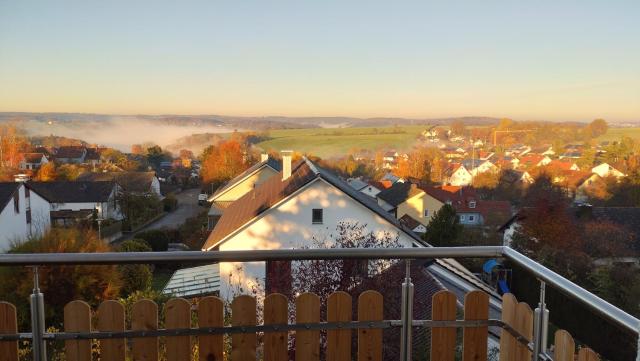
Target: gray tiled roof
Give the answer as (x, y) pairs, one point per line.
(194, 282)
(74, 192)
(7, 189)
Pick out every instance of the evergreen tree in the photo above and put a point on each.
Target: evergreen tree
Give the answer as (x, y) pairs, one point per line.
(444, 228)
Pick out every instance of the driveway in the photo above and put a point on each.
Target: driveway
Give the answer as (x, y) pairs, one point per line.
(187, 207)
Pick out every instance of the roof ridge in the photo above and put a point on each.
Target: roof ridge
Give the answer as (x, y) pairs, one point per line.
(311, 165)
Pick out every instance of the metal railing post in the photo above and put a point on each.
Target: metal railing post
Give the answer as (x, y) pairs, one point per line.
(407, 315)
(638, 347)
(37, 320)
(541, 325)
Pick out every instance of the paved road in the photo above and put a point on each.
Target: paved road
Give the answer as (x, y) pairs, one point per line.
(187, 207)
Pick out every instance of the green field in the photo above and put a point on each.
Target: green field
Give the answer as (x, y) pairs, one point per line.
(617, 133)
(332, 142)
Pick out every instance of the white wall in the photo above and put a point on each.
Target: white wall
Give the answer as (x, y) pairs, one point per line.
(288, 225)
(13, 225)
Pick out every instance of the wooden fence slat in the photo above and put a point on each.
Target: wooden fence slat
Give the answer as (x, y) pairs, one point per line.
(339, 308)
(443, 339)
(308, 342)
(276, 311)
(178, 315)
(476, 307)
(565, 347)
(77, 318)
(111, 318)
(210, 314)
(243, 313)
(370, 340)
(524, 325)
(587, 354)
(507, 341)
(8, 325)
(144, 316)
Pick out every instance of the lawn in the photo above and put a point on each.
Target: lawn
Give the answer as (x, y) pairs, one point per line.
(332, 142)
(618, 133)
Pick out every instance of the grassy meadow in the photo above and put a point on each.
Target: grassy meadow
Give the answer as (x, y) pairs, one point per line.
(617, 133)
(332, 142)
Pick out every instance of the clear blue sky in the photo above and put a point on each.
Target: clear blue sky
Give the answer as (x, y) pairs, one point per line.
(556, 60)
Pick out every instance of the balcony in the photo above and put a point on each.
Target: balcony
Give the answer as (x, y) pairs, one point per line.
(299, 332)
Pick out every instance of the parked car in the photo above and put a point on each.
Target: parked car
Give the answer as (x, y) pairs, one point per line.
(202, 199)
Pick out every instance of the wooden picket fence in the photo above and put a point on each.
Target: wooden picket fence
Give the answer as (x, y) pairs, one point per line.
(110, 317)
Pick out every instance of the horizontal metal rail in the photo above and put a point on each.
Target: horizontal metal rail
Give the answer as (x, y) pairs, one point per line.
(597, 304)
(43, 259)
(385, 324)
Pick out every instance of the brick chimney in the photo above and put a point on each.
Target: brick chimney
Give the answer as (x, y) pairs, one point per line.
(286, 163)
(264, 157)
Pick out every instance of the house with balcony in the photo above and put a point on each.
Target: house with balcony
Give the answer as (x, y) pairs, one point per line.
(24, 213)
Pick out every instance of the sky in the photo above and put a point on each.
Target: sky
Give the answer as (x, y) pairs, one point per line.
(528, 60)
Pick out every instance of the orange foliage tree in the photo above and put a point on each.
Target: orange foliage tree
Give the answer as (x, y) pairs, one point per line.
(46, 173)
(222, 162)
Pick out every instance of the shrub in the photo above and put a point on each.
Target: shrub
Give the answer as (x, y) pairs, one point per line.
(157, 239)
(170, 203)
(135, 277)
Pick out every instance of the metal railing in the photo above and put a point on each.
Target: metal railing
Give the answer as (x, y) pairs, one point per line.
(545, 276)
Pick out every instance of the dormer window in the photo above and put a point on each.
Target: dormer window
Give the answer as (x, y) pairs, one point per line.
(317, 216)
(472, 204)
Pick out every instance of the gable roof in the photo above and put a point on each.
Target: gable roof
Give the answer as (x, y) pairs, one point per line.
(129, 181)
(409, 222)
(70, 152)
(7, 189)
(33, 157)
(274, 190)
(274, 164)
(399, 193)
(74, 192)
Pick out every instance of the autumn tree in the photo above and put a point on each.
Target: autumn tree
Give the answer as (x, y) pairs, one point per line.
(458, 128)
(137, 149)
(222, 162)
(46, 173)
(12, 143)
(60, 284)
(598, 127)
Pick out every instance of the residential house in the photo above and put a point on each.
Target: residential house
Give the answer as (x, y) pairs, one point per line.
(364, 187)
(413, 224)
(389, 199)
(32, 161)
(478, 166)
(562, 165)
(530, 161)
(456, 174)
(242, 184)
(485, 155)
(139, 183)
(605, 170)
(23, 213)
(516, 177)
(71, 202)
(306, 203)
(71, 154)
(93, 156)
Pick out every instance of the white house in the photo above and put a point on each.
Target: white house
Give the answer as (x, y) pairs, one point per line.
(72, 201)
(23, 214)
(130, 182)
(605, 170)
(477, 166)
(32, 161)
(457, 175)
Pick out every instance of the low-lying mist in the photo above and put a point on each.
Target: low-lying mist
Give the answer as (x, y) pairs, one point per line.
(120, 133)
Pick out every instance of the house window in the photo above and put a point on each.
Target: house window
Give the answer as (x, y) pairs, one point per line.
(472, 218)
(317, 216)
(426, 213)
(472, 204)
(462, 217)
(16, 202)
